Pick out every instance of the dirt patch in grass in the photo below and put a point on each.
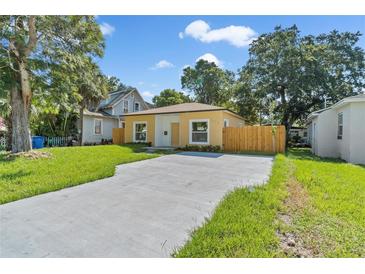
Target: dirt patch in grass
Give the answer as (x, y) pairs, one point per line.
(290, 243)
(32, 155)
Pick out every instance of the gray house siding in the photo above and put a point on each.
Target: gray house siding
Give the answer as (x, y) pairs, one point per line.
(107, 126)
(132, 99)
(114, 106)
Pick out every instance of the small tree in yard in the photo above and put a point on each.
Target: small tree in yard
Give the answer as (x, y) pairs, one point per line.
(209, 83)
(170, 97)
(31, 47)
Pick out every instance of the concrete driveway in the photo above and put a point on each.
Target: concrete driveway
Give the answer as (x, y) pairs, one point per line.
(146, 210)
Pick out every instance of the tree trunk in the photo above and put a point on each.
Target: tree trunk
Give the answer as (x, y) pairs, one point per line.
(81, 124)
(9, 130)
(21, 139)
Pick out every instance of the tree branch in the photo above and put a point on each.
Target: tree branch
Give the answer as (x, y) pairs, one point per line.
(32, 36)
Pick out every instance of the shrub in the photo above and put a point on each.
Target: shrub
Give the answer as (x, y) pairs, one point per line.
(208, 148)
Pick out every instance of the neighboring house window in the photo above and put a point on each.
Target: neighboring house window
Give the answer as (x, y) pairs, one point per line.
(340, 126)
(199, 132)
(136, 106)
(140, 132)
(97, 126)
(226, 123)
(122, 124)
(305, 134)
(125, 106)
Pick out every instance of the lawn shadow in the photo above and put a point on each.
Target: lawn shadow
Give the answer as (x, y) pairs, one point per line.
(14, 175)
(136, 148)
(306, 154)
(6, 157)
(201, 154)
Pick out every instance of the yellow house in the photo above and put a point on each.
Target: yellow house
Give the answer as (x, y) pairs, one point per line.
(180, 125)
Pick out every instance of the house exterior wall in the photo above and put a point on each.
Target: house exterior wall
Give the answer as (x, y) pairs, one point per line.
(234, 121)
(215, 126)
(88, 135)
(130, 120)
(343, 145)
(157, 124)
(162, 126)
(357, 137)
(324, 138)
(132, 99)
(326, 134)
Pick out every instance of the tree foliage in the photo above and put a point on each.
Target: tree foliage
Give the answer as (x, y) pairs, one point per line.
(170, 97)
(297, 74)
(208, 83)
(47, 57)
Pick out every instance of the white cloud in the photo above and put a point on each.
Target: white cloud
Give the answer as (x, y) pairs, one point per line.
(148, 94)
(106, 29)
(163, 64)
(238, 36)
(140, 83)
(210, 58)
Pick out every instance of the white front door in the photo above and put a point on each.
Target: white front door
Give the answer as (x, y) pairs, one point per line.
(163, 128)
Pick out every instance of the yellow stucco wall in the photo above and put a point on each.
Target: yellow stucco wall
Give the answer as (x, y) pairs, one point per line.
(129, 120)
(215, 125)
(234, 121)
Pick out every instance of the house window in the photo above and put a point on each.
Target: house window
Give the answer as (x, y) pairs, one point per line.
(97, 126)
(122, 124)
(140, 132)
(125, 106)
(340, 126)
(199, 132)
(136, 106)
(305, 134)
(226, 123)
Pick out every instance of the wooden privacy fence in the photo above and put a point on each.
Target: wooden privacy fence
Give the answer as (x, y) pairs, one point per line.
(118, 136)
(269, 139)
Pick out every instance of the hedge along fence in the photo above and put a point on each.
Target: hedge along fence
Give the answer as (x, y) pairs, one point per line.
(270, 139)
(118, 136)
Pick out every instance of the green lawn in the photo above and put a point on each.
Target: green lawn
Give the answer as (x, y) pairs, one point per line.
(68, 166)
(318, 203)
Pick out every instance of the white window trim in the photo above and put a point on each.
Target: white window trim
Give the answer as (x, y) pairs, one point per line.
(191, 131)
(227, 121)
(134, 130)
(101, 126)
(123, 102)
(139, 106)
(339, 137)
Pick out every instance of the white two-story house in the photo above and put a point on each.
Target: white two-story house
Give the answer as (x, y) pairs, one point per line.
(98, 124)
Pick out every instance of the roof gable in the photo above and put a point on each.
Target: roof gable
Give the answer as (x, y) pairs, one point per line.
(115, 97)
(186, 107)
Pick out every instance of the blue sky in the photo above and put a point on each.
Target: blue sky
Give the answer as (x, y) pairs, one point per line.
(149, 52)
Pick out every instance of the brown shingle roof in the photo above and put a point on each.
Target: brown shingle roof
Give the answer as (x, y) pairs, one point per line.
(186, 107)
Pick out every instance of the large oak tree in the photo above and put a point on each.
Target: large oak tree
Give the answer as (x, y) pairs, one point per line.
(299, 73)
